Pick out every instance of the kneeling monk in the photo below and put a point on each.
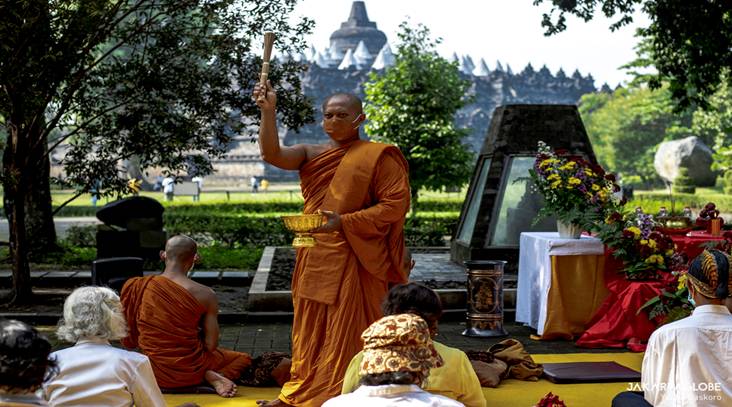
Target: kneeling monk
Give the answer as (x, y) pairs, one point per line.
(173, 320)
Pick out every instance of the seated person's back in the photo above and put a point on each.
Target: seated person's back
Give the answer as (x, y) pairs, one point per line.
(24, 364)
(93, 372)
(455, 379)
(173, 320)
(397, 358)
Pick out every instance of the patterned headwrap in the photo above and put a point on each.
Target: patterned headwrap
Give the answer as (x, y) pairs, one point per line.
(710, 275)
(398, 343)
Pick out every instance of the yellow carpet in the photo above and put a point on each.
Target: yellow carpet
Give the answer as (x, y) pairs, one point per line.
(510, 393)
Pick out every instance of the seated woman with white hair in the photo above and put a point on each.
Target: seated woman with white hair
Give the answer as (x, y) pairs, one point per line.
(93, 372)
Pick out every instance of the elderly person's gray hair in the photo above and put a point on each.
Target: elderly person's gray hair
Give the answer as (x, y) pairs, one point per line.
(92, 313)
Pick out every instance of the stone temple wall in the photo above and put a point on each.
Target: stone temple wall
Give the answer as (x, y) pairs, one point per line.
(495, 89)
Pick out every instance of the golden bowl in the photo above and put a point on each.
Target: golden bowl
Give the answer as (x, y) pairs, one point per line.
(675, 222)
(302, 225)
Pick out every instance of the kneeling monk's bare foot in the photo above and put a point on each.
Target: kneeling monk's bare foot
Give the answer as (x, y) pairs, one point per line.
(273, 403)
(224, 387)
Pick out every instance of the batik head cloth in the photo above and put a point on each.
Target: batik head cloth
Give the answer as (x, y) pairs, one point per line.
(398, 343)
(710, 275)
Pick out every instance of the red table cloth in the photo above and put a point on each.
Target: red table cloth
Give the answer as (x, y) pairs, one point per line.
(691, 244)
(617, 323)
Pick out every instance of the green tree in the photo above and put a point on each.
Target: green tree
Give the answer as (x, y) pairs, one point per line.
(688, 41)
(625, 128)
(413, 105)
(715, 125)
(162, 83)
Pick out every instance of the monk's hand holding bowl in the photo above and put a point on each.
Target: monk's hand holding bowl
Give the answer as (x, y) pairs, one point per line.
(264, 96)
(333, 223)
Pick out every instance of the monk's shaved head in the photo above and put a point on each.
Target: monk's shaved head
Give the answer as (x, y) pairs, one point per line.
(351, 100)
(180, 248)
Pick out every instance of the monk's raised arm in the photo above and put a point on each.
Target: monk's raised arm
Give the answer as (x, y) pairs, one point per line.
(285, 157)
(211, 322)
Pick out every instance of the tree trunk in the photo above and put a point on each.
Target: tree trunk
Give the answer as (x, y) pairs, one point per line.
(39, 226)
(14, 186)
(414, 202)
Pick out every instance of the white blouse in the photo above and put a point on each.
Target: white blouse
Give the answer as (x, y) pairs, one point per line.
(391, 395)
(94, 373)
(689, 362)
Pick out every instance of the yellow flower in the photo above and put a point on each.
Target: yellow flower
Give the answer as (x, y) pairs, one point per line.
(574, 181)
(548, 162)
(682, 281)
(635, 231)
(652, 243)
(568, 166)
(670, 252)
(644, 242)
(589, 172)
(556, 184)
(655, 258)
(552, 177)
(595, 187)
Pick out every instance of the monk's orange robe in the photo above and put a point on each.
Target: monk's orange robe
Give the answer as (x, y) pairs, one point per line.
(164, 321)
(338, 285)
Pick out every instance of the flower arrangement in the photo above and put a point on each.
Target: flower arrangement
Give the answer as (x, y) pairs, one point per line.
(575, 191)
(673, 302)
(643, 250)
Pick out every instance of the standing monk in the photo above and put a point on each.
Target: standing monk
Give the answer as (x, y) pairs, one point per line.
(173, 320)
(362, 189)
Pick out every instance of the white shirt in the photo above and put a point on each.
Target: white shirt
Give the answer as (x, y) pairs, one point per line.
(93, 373)
(689, 362)
(391, 395)
(168, 185)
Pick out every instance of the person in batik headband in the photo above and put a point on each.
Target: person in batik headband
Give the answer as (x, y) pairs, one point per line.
(709, 278)
(397, 356)
(399, 343)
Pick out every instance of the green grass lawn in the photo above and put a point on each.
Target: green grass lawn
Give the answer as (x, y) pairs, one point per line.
(651, 201)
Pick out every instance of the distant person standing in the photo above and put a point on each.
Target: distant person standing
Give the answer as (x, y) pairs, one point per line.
(198, 180)
(168, 188)
(264, 184)
(255, 183)
(94, 191)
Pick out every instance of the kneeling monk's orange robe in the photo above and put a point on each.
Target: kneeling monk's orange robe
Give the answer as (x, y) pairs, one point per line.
(338, 285)
(164, 322)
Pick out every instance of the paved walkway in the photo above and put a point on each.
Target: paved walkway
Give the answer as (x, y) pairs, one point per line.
(258, 337)
(62, 225)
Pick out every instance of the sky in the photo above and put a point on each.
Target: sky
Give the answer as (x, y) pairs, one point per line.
(505, 30)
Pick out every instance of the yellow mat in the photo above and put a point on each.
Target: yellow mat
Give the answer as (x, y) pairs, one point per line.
(510, 393)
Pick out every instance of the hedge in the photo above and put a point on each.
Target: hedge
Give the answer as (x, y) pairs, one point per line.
(259, 231)
(424, 205)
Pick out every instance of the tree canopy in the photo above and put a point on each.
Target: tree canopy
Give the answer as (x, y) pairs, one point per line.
(689, 42)
(162, 83)
(413, 104)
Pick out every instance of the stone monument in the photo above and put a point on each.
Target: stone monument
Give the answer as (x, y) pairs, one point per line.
(499, 204)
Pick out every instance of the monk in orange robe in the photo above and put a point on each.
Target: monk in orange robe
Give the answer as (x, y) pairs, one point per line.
(173, 320)
(362, 189)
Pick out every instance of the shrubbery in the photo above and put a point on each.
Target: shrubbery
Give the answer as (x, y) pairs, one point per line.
(260, 231)
(683, 184)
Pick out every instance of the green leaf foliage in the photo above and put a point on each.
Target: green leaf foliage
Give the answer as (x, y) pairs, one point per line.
(413, 105)
(162, 84)
(626, 126)
(688, 42)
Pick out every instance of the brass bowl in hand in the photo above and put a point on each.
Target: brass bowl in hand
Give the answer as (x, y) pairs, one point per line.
(302, 225)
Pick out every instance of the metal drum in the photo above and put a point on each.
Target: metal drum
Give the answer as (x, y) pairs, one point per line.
(485, 298)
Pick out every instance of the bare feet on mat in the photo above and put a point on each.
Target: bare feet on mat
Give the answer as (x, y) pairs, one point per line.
(273, 403)
(224, 387)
